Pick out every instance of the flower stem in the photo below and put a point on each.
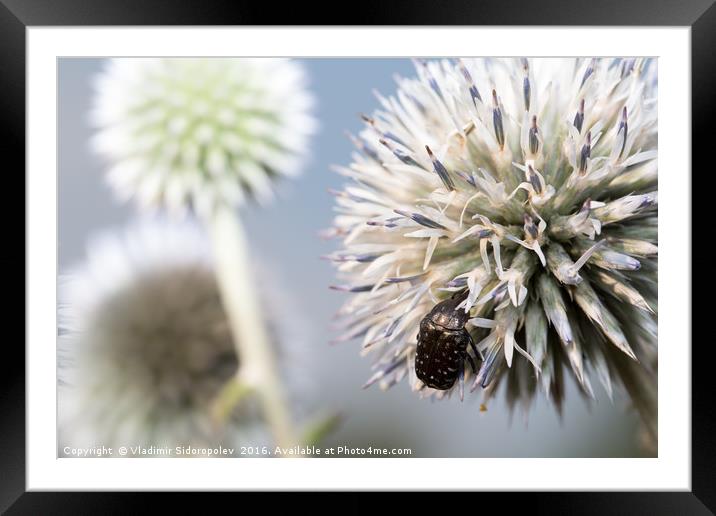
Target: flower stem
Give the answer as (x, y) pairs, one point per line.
(314, 434)
(233, 392)
(257, 365)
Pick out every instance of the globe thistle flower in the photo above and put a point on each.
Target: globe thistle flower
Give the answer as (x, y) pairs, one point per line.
(186, 133)
(202, 135)
(145, 347)
(528, 187)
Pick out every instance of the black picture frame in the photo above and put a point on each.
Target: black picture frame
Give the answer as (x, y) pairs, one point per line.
(17, 15)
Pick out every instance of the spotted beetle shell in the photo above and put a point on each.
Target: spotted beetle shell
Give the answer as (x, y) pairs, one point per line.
(440, 354)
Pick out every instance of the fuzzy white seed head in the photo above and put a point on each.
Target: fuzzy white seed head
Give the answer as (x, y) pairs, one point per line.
(145, 346)
(529, 186)
(188, 133)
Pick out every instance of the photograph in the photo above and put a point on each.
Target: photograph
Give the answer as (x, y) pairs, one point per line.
(357, 257)
(396, 248)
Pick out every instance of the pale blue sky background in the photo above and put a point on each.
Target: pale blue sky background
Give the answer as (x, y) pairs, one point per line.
(286, 235)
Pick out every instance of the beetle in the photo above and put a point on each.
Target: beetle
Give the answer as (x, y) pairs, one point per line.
(442, 344)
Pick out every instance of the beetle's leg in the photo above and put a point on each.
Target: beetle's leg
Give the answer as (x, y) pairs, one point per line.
(474, 348)
(461, 381)
(472, 364)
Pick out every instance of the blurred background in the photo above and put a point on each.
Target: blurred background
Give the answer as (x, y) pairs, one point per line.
(285, 235)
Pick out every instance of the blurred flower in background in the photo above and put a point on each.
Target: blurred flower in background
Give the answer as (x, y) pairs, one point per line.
(190, 133)
(145, 347)
(531, 187)
(198, 136)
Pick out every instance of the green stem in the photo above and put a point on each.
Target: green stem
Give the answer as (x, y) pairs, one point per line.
(314, 434)
(230, 395)
(257, 369)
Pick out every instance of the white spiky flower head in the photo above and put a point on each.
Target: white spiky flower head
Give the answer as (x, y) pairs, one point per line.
(530, 187)
(145, 346)
(185, 133)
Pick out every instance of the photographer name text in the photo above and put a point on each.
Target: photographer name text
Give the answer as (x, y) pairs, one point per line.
(241, 451)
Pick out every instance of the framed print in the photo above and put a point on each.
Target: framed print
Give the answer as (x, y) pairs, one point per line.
(427, 256)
